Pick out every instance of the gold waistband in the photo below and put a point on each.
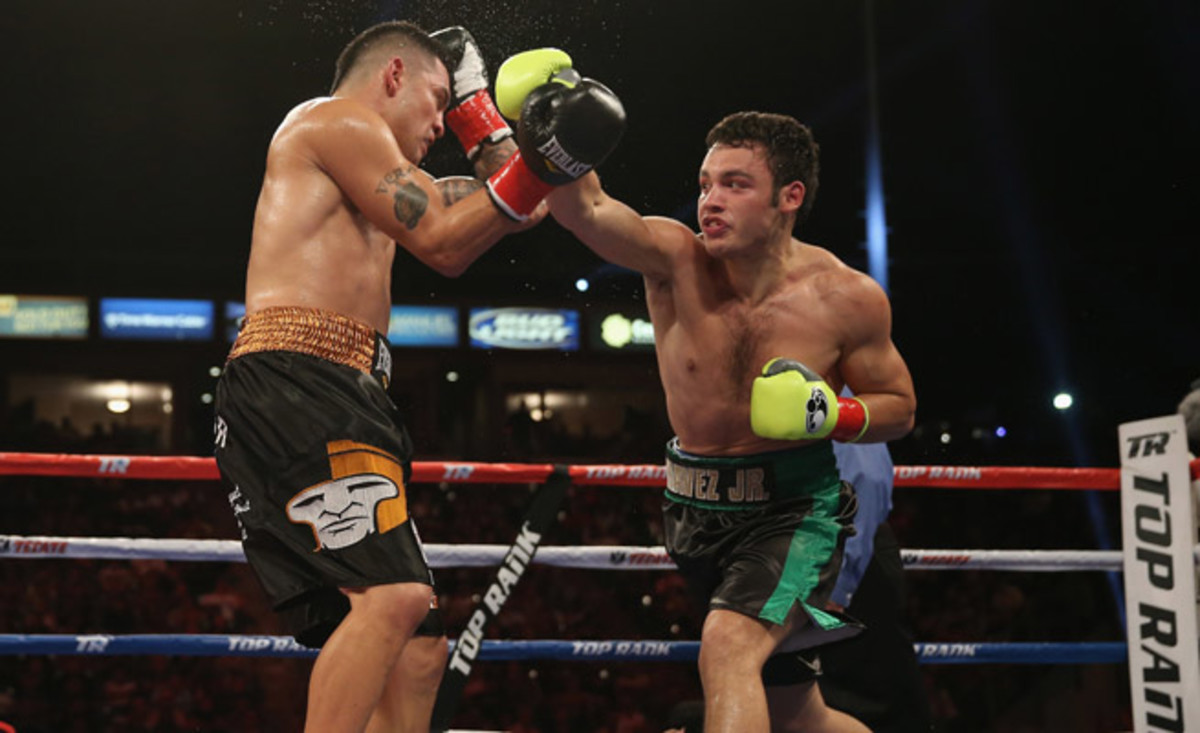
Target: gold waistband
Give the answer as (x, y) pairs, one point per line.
(323, 334)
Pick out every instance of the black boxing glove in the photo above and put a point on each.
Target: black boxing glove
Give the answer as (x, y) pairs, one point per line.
(563, 133)
(472, 115)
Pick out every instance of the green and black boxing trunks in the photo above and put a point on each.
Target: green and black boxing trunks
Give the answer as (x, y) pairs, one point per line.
(760, 535)
(316, 461)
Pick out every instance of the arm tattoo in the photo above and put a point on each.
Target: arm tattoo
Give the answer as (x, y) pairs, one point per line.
(493, 156)
(409, 201)
(457, 188)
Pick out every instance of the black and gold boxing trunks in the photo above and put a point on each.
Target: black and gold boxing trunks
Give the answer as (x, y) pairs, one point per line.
(316, 461)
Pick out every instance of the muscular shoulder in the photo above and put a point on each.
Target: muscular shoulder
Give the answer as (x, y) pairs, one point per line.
(323, 120)
(678, 242)
(671, 232)
(848, 295)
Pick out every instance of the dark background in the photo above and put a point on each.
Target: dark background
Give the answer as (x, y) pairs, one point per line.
(1039, 164)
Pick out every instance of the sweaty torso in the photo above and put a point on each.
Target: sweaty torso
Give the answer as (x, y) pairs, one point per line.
(711, 344)
(311, 247)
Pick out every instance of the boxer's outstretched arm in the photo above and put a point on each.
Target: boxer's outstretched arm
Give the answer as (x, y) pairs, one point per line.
(615, 231)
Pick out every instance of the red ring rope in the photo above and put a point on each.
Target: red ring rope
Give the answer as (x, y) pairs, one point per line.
(205, 469)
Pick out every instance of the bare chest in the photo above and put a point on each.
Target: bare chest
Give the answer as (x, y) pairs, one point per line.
(721, 350)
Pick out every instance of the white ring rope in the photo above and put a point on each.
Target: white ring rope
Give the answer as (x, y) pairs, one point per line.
(596, 557)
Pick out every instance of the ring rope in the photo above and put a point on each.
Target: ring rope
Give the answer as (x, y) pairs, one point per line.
(595, 557)
(1114, 652)
(205, 469)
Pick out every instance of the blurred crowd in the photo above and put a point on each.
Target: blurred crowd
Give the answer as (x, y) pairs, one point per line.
(79, 693)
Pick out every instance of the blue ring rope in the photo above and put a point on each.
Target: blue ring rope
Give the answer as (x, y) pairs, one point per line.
(221, 645)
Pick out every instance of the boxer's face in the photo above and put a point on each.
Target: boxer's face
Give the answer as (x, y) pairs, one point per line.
(424, 98)
(735, 208)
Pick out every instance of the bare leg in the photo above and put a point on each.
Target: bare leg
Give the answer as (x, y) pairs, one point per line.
(733, 648)
(407, 702)
(801, 708)
(351, 670)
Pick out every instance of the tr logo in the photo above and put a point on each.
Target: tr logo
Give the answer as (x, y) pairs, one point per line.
(220, 432)
(114, 465)
(95, 643)
(455, 472)
(1149, 443)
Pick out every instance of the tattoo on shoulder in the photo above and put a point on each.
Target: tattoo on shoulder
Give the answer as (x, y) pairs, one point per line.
(409, 201)
(457, 188)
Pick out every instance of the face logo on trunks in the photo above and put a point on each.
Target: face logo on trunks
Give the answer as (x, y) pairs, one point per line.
(365, 494)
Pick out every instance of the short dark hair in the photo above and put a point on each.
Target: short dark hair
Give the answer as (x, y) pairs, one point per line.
(401, 33)
(792, 154)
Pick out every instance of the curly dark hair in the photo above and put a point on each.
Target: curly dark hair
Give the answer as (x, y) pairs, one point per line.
(401, 33)
(792, 154)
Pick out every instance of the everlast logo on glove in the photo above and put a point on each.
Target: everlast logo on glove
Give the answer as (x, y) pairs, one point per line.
(562, 160)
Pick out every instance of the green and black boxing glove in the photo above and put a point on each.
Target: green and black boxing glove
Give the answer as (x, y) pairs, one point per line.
(792, 402)
(521, 74)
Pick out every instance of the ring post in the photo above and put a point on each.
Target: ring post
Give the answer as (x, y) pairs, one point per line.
(1158, 541)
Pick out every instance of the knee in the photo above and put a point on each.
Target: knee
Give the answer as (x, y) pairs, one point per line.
(727, 648)
(396, 608)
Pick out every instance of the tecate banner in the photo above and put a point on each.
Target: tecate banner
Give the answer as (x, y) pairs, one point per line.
(524, 328)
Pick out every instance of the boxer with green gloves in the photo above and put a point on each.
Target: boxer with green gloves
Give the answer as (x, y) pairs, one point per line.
(756, 514)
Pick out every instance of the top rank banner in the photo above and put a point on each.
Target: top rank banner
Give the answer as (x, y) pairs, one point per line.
(1158, 537)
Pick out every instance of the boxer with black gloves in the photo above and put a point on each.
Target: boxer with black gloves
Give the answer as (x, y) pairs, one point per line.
(303, 416)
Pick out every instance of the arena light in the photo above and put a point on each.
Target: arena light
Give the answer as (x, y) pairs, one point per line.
(1001, 431)
(582, 285)
(117, 405)
(1063, 401)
